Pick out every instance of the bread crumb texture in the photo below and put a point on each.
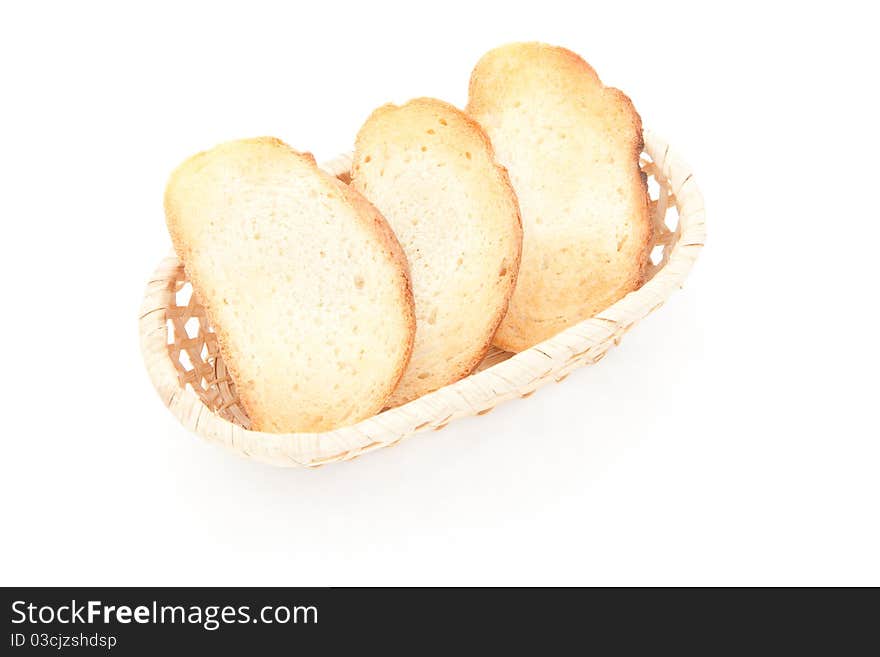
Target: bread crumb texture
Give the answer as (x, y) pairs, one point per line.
(431, 171)
(302, 278)
(571, 147)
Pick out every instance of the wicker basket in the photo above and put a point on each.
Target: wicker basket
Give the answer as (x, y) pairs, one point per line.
(181, 354)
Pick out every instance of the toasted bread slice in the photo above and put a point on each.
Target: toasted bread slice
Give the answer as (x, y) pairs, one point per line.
(303, 280)
(571, 147)
(430, 170)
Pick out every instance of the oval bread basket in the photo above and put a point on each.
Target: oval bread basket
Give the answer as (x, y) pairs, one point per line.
(181, 354)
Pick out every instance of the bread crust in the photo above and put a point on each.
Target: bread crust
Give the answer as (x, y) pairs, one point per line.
(428, 135)
(211, 186)
(572, 147)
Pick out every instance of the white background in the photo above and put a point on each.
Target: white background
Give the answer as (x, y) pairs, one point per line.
(731, 439)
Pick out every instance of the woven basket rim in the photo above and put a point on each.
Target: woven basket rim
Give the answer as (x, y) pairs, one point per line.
(478, 393)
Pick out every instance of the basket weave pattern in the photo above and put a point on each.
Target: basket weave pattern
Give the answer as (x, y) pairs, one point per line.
(181, 352)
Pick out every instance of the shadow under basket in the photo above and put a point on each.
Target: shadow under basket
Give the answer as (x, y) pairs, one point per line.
(182, 357)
